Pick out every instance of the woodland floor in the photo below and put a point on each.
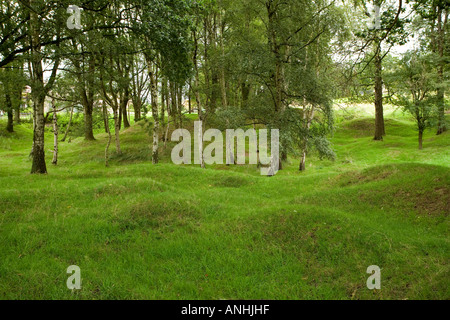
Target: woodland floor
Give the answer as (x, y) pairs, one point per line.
(143, 231)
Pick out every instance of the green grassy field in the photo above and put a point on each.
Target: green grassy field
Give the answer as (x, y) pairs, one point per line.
(143, 231)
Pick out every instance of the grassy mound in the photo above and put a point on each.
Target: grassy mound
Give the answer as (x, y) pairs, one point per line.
(162, 231)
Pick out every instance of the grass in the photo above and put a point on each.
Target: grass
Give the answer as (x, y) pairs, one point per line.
(143, 231)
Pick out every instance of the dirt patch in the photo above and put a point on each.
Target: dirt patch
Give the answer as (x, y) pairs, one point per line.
(433, 203)
(436, 202)
(366, 127)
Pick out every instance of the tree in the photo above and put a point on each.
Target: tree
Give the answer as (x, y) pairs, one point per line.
(415, 81)
(139, 86)
(12, 82)
(164, 41)
(434, 25)
(388, 30)
(84, 72)
(40, 89)
(55, 133)
(280, 57)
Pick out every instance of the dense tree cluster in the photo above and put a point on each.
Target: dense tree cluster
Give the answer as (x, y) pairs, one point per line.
(268, 63)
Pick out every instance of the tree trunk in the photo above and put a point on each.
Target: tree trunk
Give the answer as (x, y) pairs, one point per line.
(197, 81)
(215, 90)
(55, 135)
(180, 104)
(39, 92)
(129, 115)
(9, 111)
(166, 133)
(442, 126)
(68, 126)
(10, 125)
(223, 88)
(420, 139)
(88, 128)
(162, 117)
(278, 64)
(302, 166)
(245, 88)
(17, 114)
(190, 97)
(137, 110)
(119, 115)
(85, 87)
(123, 108)
(308, 116)
(33, 117)
(173, 100)
(105, 119)
(105, 116)
(117, 131)
(38, 165)
(278, 72)
(199, 133)
(155, 115)
(209, 102)
(229, 146)
(379, 116)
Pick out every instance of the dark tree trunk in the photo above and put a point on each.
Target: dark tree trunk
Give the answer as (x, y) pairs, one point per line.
(189, 97)
(278, 82)
(123, 108)
(137, 111)
(245, 88)
(379, 116)
(9, 111)
(10, 125)
(420, 139)
(180, 104)
(17, 114)
(105, 117)
(442, 125)
(86, 90)
(302, 166)
(88, 128)
(215, 86)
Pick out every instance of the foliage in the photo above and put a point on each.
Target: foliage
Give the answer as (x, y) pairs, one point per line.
(415, 80)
